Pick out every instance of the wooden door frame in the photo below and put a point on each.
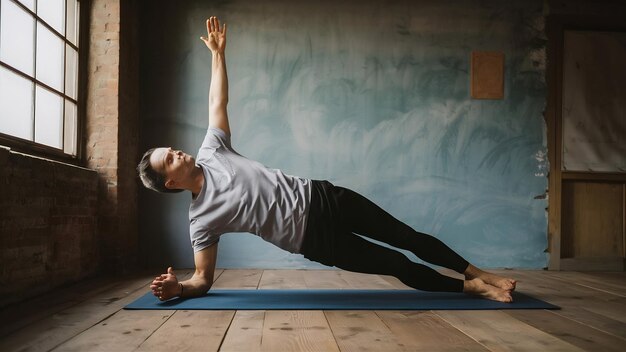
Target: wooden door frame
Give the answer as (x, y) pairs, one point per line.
(556, 25)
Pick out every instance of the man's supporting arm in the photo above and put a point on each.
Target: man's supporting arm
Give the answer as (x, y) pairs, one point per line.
(202, 279)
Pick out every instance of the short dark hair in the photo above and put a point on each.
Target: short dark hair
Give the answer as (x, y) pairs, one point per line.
(150, 177)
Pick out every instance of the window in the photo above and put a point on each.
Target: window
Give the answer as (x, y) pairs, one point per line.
(39, 59)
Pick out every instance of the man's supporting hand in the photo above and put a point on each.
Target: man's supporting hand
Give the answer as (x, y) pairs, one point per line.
(165, 286)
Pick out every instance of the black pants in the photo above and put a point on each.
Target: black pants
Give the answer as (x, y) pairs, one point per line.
(337, 214)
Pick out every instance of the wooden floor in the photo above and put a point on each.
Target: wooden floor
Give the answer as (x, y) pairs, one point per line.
(89, 317)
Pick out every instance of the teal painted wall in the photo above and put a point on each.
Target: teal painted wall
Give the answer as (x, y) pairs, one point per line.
(371, 95)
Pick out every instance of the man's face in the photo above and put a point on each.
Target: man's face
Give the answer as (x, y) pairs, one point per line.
(174, 164)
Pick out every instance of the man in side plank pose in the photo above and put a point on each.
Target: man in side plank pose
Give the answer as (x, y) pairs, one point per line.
(231, 193)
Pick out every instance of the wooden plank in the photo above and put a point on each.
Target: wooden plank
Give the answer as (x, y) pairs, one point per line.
(238, 279)
(424, 331)
(585, 307)
(19, 315)
(287, 279)
(297, 331)
(323, 279)
(498, 331)
(590, 281)
(245, 333)
(597, 301)
(361, 331)
(53, 330)
(279, 331)
(195, 330)
(123, 331)
(216, 274)
(612, 277)
(568, 330)
(369, 281)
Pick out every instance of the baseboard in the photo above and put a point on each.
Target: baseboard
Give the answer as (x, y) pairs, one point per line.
(593, 264)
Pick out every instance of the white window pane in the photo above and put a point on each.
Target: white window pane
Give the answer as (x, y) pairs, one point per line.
(16, 37)
(71, 71)
(72, 21)
(16, 105)
(49, 58)
(53, 12)
(69, 139)
(48, 118)
(29, 3)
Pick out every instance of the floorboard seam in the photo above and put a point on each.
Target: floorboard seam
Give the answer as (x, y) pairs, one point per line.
(82, 331)
(590, 287)
(155, 330)
(462, 332)
(70, 304)
(331, 331)
(230, 323)
(575, 321)
(98, 322)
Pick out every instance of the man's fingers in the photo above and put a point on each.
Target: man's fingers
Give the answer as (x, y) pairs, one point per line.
(224, 29)
(217, 24)
(170, 271)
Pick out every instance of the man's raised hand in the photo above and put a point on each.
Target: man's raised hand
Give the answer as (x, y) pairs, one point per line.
(216, 36)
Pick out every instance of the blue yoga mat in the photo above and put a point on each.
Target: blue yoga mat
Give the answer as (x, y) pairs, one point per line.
(336, 300)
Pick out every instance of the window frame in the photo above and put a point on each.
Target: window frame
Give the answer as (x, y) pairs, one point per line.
(41, 150)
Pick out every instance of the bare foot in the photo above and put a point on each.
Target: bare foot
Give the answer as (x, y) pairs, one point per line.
(480, 288)
(504, 283)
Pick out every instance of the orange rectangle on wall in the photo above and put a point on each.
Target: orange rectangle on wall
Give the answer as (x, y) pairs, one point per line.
(487, 75)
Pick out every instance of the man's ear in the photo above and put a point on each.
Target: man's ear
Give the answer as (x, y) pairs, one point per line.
(170, 184)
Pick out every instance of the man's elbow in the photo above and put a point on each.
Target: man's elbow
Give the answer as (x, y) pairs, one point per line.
(206, 282)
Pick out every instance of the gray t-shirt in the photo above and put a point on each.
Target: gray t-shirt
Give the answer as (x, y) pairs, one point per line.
(242, 195)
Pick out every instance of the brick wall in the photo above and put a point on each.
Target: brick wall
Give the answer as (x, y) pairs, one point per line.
(61, 223)
(48, 225)
(111, 128)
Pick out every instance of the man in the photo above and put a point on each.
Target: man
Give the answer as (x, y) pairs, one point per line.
(315, 218)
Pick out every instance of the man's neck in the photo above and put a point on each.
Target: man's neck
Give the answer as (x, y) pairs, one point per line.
(197, 181)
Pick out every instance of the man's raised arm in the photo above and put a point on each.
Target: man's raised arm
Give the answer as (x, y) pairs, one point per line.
(218, 91)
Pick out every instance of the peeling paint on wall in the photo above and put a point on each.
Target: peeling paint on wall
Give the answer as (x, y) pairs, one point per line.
(371, 96)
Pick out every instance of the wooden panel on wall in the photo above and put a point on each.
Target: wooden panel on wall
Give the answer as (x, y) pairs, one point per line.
(592, 220)
(487, 75)
(594, 101)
